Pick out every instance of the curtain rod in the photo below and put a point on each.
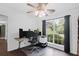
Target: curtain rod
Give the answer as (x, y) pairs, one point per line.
(54, 18)
(57, 18)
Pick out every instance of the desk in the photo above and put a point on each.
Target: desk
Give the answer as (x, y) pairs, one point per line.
(19, 41)
(24, 40)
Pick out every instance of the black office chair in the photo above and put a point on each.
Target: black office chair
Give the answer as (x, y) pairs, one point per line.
(34, 44)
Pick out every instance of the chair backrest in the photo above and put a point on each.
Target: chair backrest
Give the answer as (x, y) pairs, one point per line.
(34, 41)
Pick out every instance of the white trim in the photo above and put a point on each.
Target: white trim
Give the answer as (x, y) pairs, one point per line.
(61, 47)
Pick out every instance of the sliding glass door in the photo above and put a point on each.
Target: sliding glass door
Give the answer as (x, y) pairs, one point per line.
(55, 31)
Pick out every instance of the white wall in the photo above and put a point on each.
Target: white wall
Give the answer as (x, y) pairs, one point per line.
(15, 21)
(73, 26)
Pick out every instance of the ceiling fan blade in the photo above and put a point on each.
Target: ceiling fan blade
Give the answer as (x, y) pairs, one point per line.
(29, 12)
(30, 5)
(51, 10)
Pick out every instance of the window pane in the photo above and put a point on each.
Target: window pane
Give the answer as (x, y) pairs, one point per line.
(55, 31)
(59, 34)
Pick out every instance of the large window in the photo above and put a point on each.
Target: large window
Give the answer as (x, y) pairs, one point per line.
(55, 31)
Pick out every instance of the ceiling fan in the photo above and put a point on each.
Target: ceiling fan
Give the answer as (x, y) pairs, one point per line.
(40, 9)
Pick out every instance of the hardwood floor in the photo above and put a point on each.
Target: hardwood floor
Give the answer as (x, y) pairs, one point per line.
(40, 52)
(48, 51)
(3, 47)
(16, 53)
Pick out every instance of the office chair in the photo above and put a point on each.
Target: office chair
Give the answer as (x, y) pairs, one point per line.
(34, 44)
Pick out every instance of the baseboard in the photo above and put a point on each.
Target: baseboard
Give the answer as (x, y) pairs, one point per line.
(56, 48)
(73, 54)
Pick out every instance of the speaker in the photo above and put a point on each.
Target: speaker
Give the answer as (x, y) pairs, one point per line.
(20, 33)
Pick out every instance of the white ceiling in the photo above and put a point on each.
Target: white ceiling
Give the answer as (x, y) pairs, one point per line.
(63, 6)
(57, 6)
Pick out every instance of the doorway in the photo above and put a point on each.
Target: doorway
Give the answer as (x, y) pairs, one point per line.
(2, 31)
(55, 33)
(3, 35)
(55, 29)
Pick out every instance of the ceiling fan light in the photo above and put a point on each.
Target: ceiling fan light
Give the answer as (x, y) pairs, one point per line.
(40, 13)
(36, 13)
